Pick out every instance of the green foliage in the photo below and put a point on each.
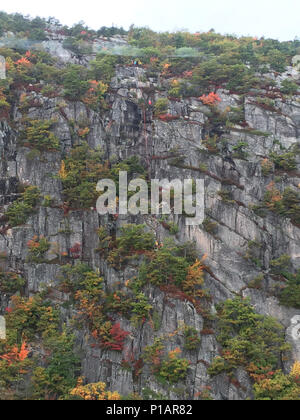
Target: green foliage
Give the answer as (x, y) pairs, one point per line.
(168, 368)
(267, 167)
(140, 308)
(248, 340)
(161, 106)
(226, 196)
(111, 31)
(211, 143)
(254, 252)
(81, 278)
(238, 150)
(132, 241)
(13, 372)
(62, 368)
(290, 295)
(86, 289)
(21, 209)
(280, 264)
(210, 226)
(291, 204)
(37, 249)
(278, 387)
(289, 87)
(234, 77)
(172, 227)
(31, 318)
(277, 60)
(37, 135)
(286, 161)
(152, 354)
(103, 68)
(286, 204)
(167, 267)
(34, 28)
(75, 82)
(11, 283)
(133, 238)
(82, 169)
(173, 369)
(191, 338)
(257, 282)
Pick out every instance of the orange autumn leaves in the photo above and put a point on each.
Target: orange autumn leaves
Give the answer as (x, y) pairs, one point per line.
(25, 61)
(274, 196)
(95, 93)
(194, 278)
(211, 99)
(16, 355)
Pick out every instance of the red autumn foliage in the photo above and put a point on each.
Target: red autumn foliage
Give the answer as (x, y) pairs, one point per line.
(211, 99)
(118, 336)
(168, 117)
(188, 74)
(76, 251)
(23, 62)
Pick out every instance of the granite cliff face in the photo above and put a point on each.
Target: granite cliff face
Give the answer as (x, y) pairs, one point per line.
(239, 248)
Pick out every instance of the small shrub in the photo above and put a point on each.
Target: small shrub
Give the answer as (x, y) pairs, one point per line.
(134, 238)
(286, 161)
(140, 308)
(266, 167)
(253, 253)
(212, 99)
(48, 201)
(11, 283)
(32, 318)
(161, 106)
(226, 196)
(75, 82)
(210, 226)
(289, 87)
(191, 338)
(93, 392)
(170, 226)
(211, 143)
(20, 210)
(173, 369)
(115, 339)
(132, 242)
(37, 135)
(238, 150)
(290, 295)
(166, 268)
(257, 282)
(280, 264)
(37, 249)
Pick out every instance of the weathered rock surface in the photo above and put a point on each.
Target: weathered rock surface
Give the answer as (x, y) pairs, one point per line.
(120, 133)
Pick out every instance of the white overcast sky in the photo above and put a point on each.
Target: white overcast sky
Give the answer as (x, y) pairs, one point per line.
(270, 18)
